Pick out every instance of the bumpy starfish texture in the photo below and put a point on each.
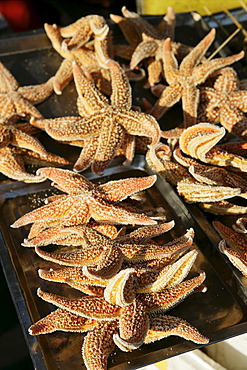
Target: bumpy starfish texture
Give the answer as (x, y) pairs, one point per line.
(224, 103)
(183, 80)
(105, 256)
(103, 125)
(16, 101)
(146, 41)
(89, 60)
(199, 141)
(86, 200)
(235, 257)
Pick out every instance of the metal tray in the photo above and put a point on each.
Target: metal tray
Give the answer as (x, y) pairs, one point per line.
(220, 313)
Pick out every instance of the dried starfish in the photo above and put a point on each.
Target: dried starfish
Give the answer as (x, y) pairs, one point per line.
(13, 160)
(99, 343)
(223, 207)
(16, 101)
(237, 258)
(87, 59)
(240, 225)
(224, 103)
(86, 200)
(146, 41)
(199, 141)
(183, 80)
(131, 335)
(103, 258)
(110, 123)
(235, 240)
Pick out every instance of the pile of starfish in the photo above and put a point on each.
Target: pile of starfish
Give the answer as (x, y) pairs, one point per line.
(128, 280)
(203, 171)
(107, 124)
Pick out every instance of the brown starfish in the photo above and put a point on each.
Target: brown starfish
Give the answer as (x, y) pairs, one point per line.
(105, 125)
(224, 103)
(183, 80)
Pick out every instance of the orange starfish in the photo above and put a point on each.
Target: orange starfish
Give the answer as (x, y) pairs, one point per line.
(184, 79)
(224, 103)
(104, 126)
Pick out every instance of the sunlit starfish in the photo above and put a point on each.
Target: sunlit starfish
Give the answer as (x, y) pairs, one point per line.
(99, 343)
(224, 103)
(199, 141)
(88, 59)
(105, 257)
(16, 101)
(107, 123)
(131, 334)
(146, 41)
(184, 79)
(86, 200)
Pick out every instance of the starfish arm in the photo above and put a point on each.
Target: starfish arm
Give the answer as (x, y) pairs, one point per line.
(240, 225)
(237, 258)
(8, 109)
(12, 166)
(87, 154)
(5, 136)
(24, 108)
(128, 148)
(62, 320)
(90, 96)
(68, 181)
(144, 50)
(147, 232)
(170, 275)
(202, 71)
(167, 25)
(164, 326)
(109, 264)
(170, 96)
(105, 212)
(48, 159)
(69, 275)
(118, 190)
(170, 63)
(36, 94)
(120, 289)
(190, 102)
(110, 140)
(99, 344)
(7, 80)
(79, 33)
(86, 256)
(90, 307)
(155, 72)
(239, 100)
(223, 208)
(72, 128)
(56, 211)
(234, 120)
(234, 239)
(197, 53)
(133, 326)
(135, 252)
(53, 33)
(23, 140)
(63, 76)
(208, 110)
(121, 90)
(140, 124)
(170, 297)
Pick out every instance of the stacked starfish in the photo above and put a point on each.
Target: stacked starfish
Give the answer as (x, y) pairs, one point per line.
(184, 79)
(209, 184)
(17, 145)
(236, 252)
(146, 42)
(103, 128)
(120, 304)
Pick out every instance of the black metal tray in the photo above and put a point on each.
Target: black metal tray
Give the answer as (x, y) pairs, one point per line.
(220, 313)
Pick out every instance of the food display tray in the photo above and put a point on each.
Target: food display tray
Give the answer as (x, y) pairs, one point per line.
(219, 313)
